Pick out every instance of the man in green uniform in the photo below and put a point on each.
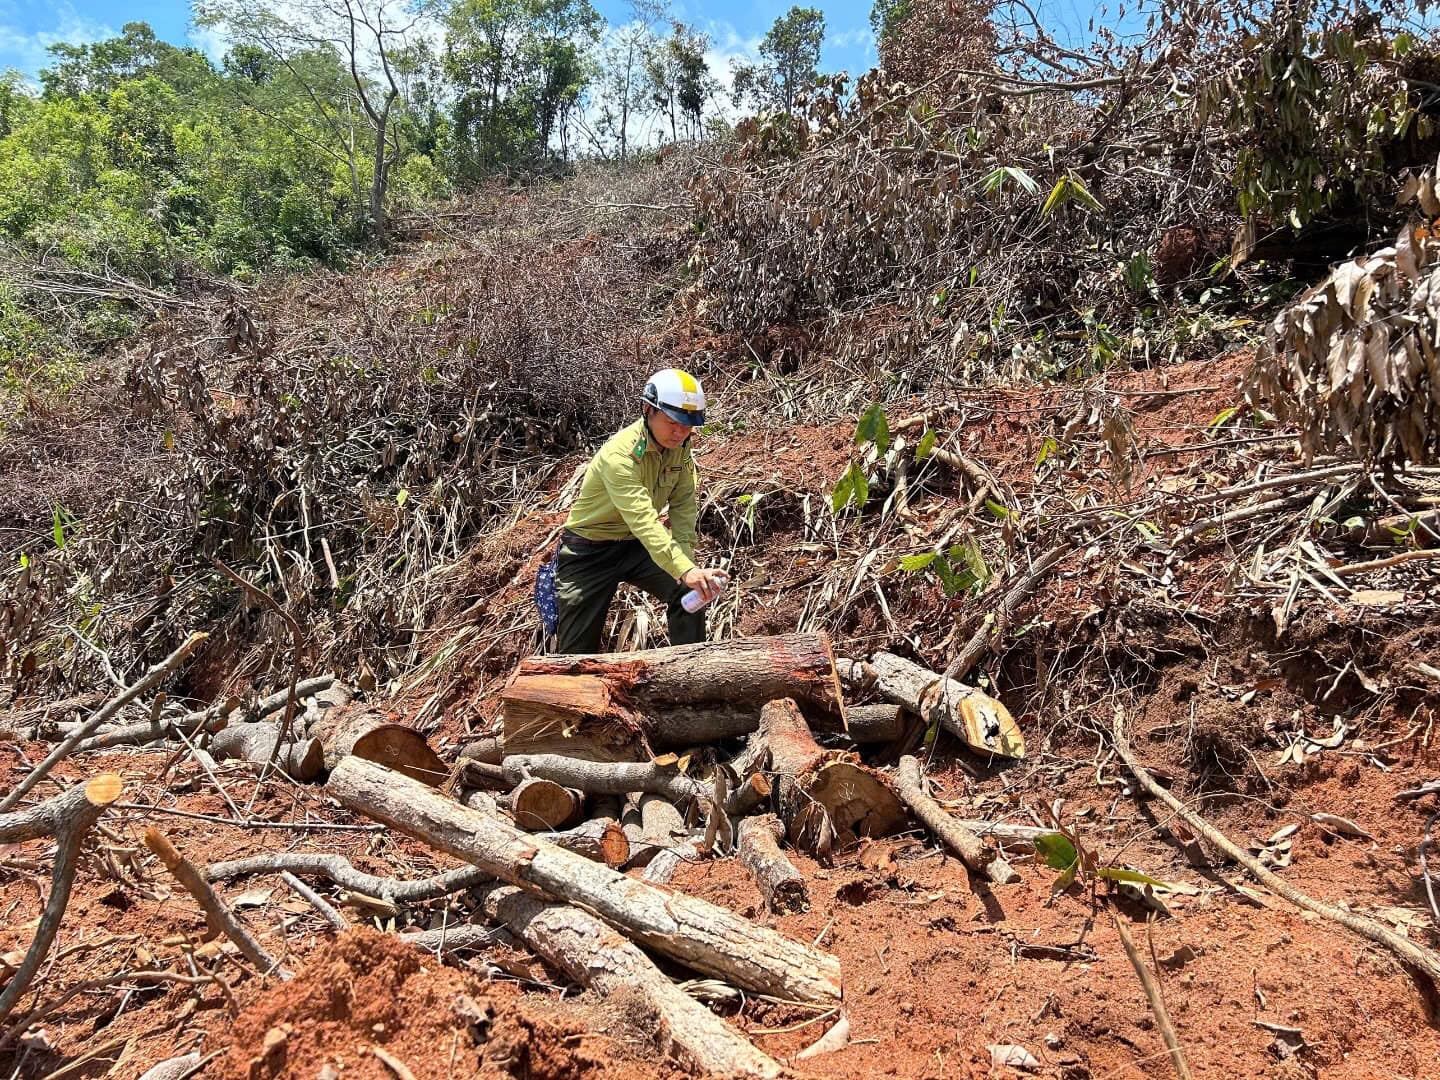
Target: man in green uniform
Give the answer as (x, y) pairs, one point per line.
(614, 532)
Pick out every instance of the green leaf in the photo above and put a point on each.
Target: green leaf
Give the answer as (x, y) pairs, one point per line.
(57, 530)
(997, 510)
(861, 484)
(995, 180)
(1224, 415)
(25, 563)
(874, 428)
(915, 563)
(1057, 850)
(927, 445)
(402, 496)
(1048, 447)
(950, 581)
(843, 491)
(1118, 873)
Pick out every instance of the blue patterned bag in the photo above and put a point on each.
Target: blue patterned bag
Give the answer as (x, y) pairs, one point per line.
(545, 598)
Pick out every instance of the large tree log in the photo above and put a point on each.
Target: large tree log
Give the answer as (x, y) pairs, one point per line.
(375, 737)
(973, 717)
(910, 782)
(596, 956)
(302, 760)
(614, 706)
(759, 850)
(701, 935)
(66, 818)
(824, 797)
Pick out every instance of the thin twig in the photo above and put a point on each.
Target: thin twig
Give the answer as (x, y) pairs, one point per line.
(1156, 999)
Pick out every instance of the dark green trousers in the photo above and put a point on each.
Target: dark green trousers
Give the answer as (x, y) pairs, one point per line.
(586, 576)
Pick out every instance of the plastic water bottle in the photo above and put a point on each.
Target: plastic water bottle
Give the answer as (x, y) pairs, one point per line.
(692, 601)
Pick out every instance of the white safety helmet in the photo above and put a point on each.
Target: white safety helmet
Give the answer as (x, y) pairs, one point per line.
(678, 395)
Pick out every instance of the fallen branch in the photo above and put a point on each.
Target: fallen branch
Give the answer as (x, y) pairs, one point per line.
(220, 917)
(1157, 1001)
(605, 777)
(910, 782)
(702, 935)
(1412, 955)
(996, 626)
(150, 679)
(339, 869)
(337, 922)
(1386, 563)
(66, 818)
(597, 957)
(210, 720)
(759, 850)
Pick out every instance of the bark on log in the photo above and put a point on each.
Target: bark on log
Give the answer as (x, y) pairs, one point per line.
(598, 839)
(780, 883)
(476, 799)
(972, 850)
(339, 869)
(973, 717)
(596, 956)
(606, 777)
(303, 689)
(701, 935)
(490, 750)
(481, 774)
(303, 760)
(876, 723)
(208, 720)
(66, 818)
(540, 805)
(662, 868)
(615, 706)
(375, 737)
(824, 797)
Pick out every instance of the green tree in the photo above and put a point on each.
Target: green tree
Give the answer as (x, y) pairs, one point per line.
(886, 17)
(516, 68)
(15, 101)
(679, 79)
(364, 35)
(623, 88)
(789, 61)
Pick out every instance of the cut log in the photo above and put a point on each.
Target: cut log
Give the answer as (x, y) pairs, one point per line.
(481, 774)
(477, 799)
(662, 868)
(614, 707)
(910, 782)
(973, 717)
(375, 737)
(824, 797)
(543, 805)
(66, 818)
(780, 883)
(490, 750)
(598, 839)
(596, 956)
(876, 723)
(708, 938)
(303, 760)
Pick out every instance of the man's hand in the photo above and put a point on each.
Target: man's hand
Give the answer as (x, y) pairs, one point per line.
(708, 583)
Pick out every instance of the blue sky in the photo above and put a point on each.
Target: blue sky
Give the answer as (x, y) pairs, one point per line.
(27, 27)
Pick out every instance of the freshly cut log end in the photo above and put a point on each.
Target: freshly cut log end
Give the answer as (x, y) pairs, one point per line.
(104, 789)
(543, 805)
(375, 737)
(860, 804)
(822, 796)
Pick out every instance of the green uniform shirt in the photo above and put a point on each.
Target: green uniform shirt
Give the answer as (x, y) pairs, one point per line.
(627, 484)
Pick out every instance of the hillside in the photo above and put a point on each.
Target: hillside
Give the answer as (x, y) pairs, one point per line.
(1101, 449)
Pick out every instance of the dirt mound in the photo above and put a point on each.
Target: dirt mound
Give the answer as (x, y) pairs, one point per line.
(370, 994)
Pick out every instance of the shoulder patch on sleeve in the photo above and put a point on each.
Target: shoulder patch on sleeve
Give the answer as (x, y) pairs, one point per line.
(640, 447)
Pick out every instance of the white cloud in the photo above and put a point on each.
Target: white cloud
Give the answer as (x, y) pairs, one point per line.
(214, 43)
(861, 37)
(27, 50)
